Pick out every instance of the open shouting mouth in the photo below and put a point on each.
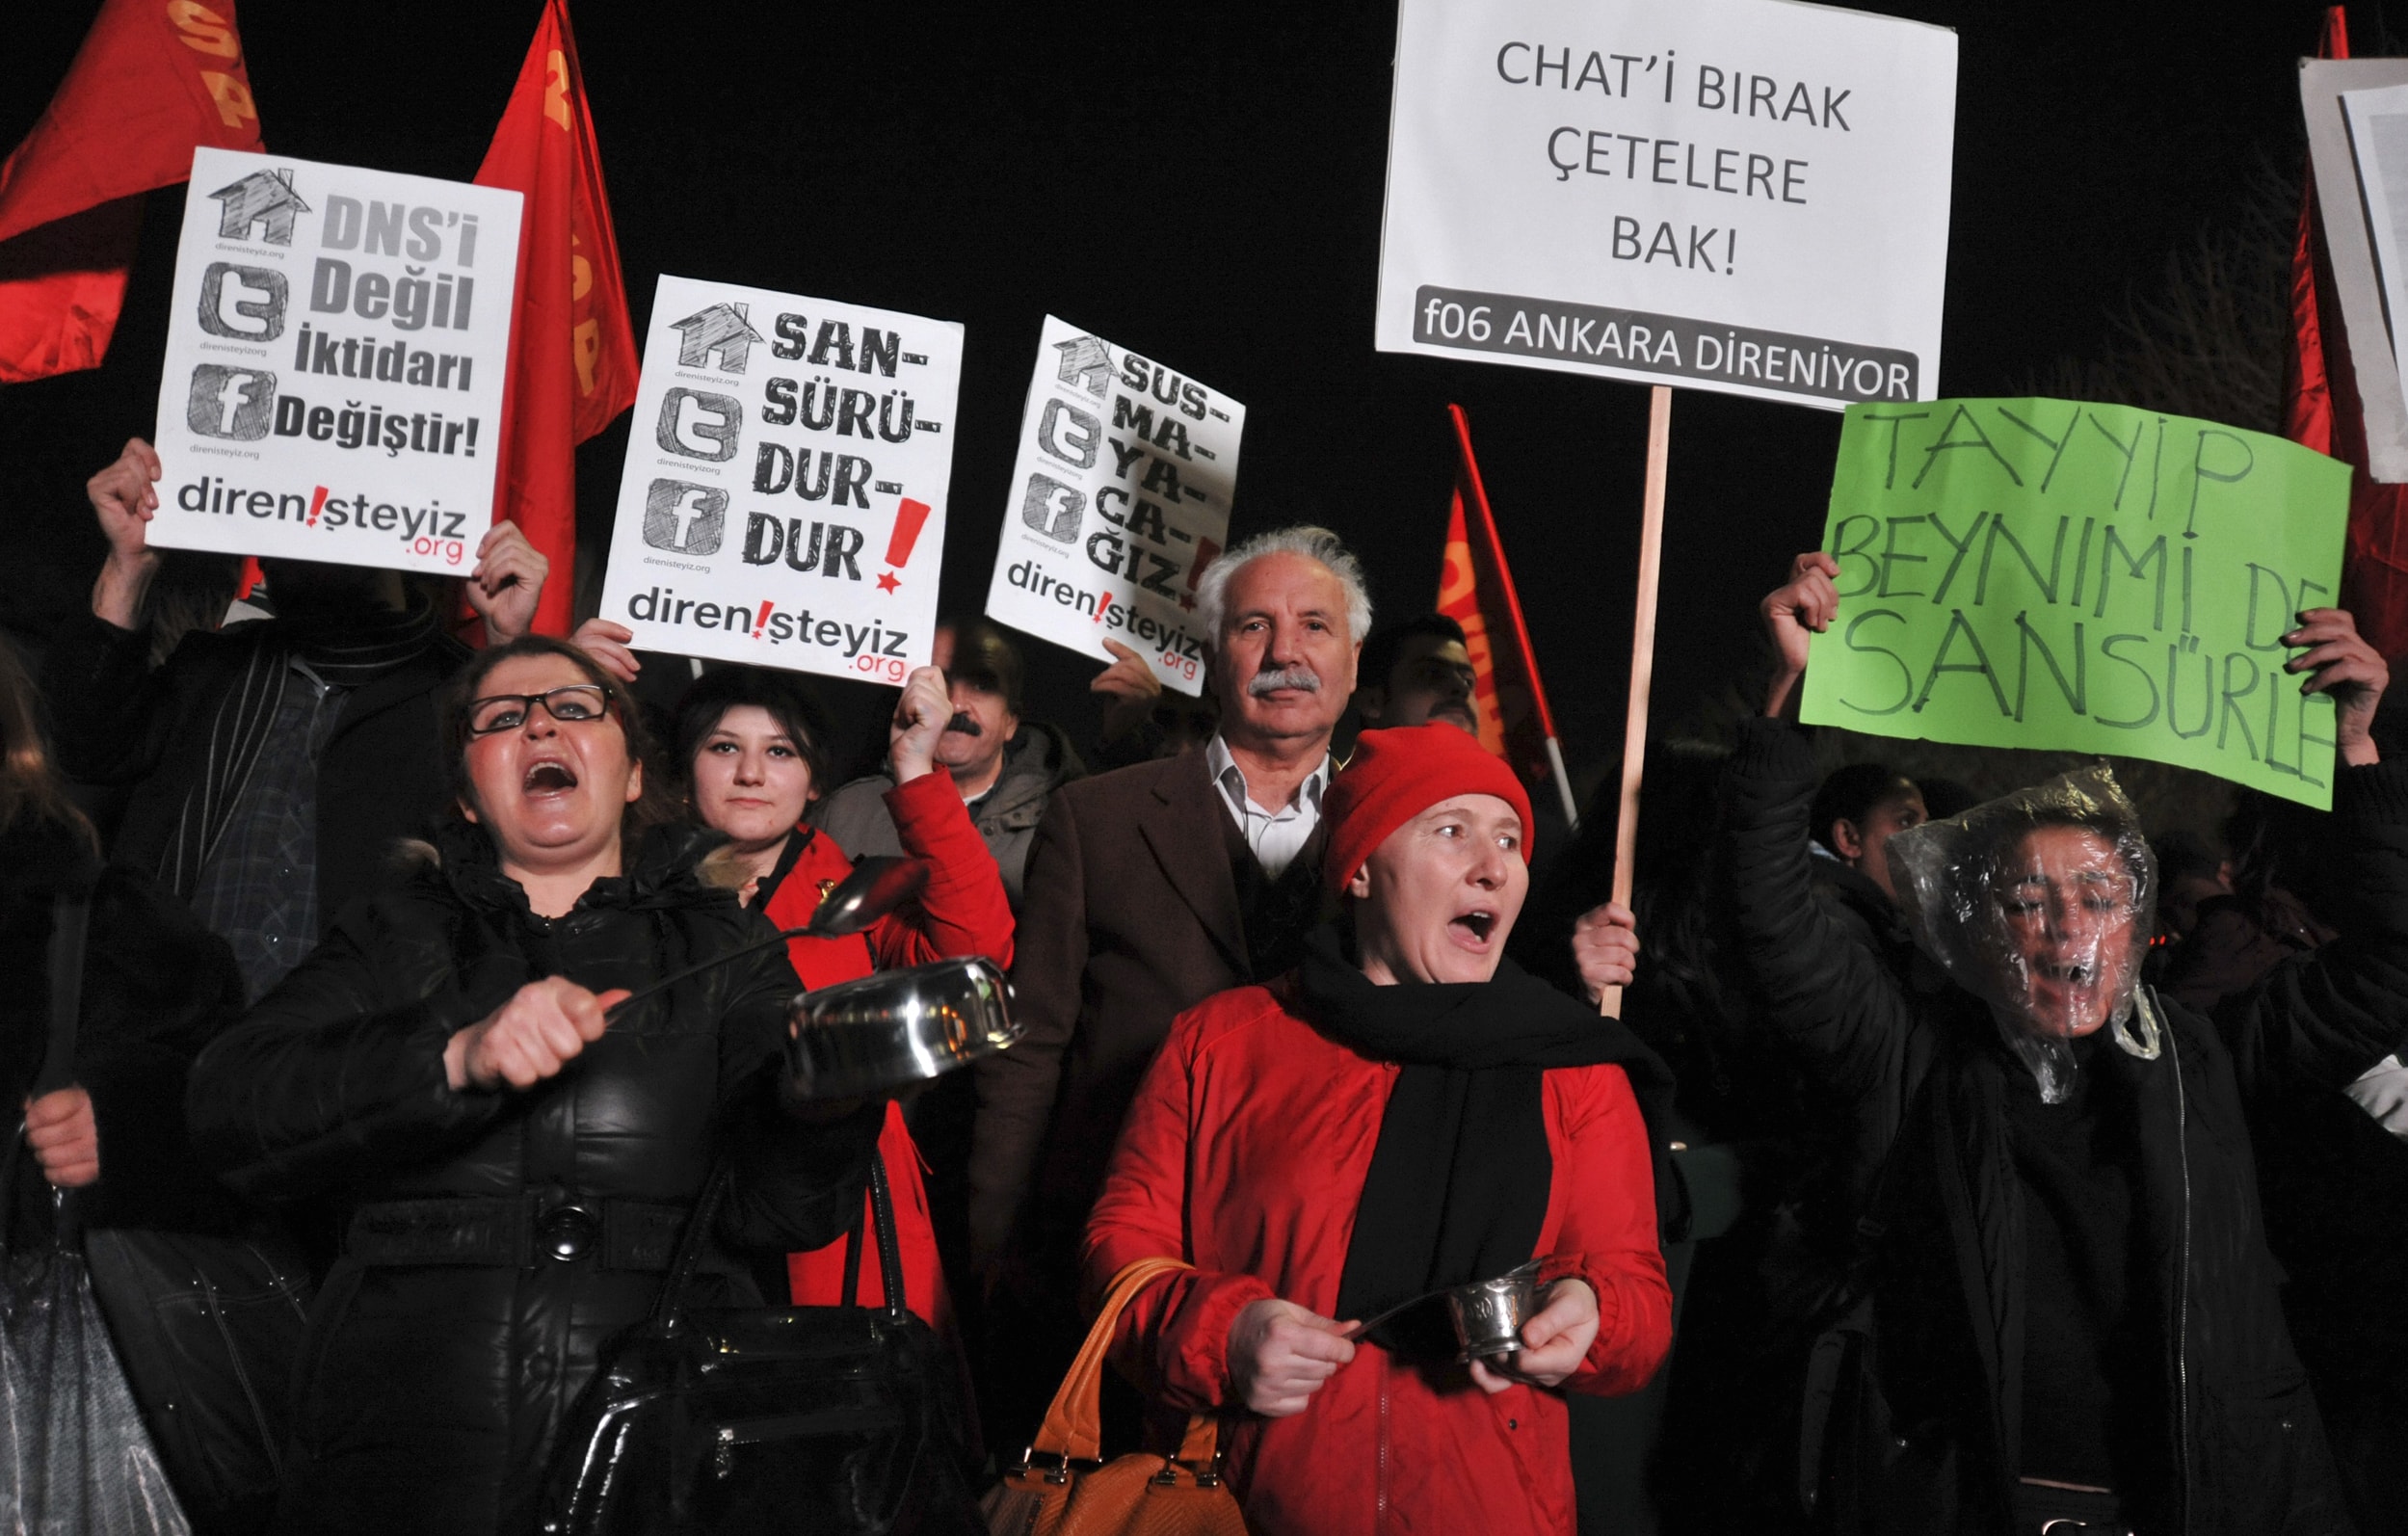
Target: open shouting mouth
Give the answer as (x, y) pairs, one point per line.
(548, 775)
(1474, 928)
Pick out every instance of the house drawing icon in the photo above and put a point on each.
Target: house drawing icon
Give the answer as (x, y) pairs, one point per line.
(721, 329)
(262, 197)
(1086, 360)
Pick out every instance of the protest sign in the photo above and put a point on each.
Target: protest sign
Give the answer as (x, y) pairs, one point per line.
(2349, 186)
(337, 345)
(1120, 498)
(1748, 196)
(2080, 577)
(783, 499)
(2378, 140)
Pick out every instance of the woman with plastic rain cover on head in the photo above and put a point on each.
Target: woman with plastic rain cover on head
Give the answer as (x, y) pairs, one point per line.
(2041, 903)
(2065, 1315)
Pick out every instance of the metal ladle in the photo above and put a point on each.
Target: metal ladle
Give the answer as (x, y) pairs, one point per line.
(876, 886)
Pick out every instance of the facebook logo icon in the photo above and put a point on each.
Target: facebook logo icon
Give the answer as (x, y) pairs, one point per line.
(230, 401)
(684, 518)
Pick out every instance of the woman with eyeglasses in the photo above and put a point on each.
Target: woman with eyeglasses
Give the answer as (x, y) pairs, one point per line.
(511, 1166)
(754, 745)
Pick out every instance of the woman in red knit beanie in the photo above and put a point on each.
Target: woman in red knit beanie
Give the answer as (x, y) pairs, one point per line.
(1406, 1110)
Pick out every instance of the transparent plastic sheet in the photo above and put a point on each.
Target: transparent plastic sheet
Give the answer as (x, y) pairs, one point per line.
(2041, 903)
(73, 1446)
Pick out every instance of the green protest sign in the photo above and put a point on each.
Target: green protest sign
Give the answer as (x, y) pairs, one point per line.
(2081, 577)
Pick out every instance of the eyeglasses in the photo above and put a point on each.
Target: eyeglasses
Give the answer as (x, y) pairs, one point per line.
(572, 704)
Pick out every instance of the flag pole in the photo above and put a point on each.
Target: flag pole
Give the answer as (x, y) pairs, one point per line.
(1642, 658)
(1563, 783)
(1469, 471)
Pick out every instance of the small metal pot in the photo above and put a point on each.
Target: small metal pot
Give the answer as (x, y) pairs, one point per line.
(1489, 1313)
(896, 1028)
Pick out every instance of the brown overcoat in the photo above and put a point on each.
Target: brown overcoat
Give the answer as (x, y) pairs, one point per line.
(1130, 917)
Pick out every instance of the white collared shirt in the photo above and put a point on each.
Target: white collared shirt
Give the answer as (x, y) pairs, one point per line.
(1275, 837)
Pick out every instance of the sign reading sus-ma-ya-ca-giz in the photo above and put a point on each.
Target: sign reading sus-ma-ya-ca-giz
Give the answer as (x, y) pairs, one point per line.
(336, 352)
(2081, 577)
(1749, 195)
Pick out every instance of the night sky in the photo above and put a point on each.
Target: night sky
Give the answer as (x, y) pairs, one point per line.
(1203, 184)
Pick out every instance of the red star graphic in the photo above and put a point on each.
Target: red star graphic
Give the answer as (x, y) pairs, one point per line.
(886, 582)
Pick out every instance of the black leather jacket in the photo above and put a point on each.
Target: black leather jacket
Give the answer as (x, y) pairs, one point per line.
(1945, 1260)
(451, 1337)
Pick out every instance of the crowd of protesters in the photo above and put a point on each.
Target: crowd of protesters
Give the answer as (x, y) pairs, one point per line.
(2007, 1171)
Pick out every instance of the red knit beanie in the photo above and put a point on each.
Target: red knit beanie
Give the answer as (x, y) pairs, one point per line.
(1394, 776)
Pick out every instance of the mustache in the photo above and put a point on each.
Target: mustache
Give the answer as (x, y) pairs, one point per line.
(963, 724)
(1271, 680)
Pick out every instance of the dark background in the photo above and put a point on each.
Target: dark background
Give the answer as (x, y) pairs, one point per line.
(1205, 185)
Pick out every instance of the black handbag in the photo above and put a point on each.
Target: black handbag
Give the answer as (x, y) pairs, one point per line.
(206, 1326)
(836, 1419)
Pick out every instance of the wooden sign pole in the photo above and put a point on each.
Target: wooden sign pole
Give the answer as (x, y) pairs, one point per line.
(1642, 658)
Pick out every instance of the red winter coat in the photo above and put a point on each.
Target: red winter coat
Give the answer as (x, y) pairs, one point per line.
(1245, 1153)
(962, 912)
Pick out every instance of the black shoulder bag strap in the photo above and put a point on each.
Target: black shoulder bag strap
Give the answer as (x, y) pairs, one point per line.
(669, 1311)
(71, 922)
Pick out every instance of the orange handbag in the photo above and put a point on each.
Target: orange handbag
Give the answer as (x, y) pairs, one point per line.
(1060, 1487)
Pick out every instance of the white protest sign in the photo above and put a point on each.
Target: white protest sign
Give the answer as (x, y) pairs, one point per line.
(1120, 498)
(2378, 139)
(2350, 186)
(336, 352)
(783, 499)
(1748, 196)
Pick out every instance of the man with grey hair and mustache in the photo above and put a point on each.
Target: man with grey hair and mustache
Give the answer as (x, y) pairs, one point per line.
(1148, 889)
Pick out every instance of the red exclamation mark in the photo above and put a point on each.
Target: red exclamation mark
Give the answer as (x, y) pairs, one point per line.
(759, 623)
(909, 520)
(317, 504)
(1205, 552)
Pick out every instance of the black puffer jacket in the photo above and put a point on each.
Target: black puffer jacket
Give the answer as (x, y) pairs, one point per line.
(447, 1344)
(1947, 1263)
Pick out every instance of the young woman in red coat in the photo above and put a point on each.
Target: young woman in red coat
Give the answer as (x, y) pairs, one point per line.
(1406, 1110)
(754, 747)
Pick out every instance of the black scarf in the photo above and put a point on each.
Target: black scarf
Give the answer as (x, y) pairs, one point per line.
(1459, 1181)
(346, 648)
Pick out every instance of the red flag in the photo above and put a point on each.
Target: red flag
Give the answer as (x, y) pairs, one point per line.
(573, 355)
(153, 80)
(2322, 411)
(1476, 590)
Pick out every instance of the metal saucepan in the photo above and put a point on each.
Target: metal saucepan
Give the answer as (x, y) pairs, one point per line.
(1489, 1313)
(858, 1039)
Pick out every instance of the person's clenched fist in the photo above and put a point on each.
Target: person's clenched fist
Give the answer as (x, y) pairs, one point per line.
(919, 718)
(1280, 1354)
(1793, 614)
(124, 496)
(1606, 947)
(544, 1026)
(508, 582)
(66, 1139)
